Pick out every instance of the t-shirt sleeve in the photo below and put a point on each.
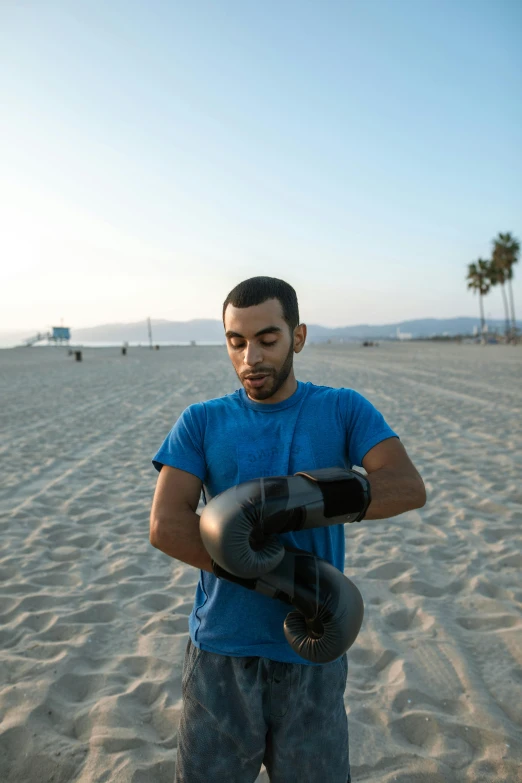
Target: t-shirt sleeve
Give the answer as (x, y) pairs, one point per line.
(365, 425)
(183, 446)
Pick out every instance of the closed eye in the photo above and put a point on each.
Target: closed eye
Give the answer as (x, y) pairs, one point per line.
(267, 345)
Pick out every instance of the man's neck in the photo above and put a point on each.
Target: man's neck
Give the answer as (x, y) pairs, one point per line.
(287, 389)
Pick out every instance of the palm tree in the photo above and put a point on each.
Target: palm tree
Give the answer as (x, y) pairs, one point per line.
(479, 280)
(505, 255)
(497, 276)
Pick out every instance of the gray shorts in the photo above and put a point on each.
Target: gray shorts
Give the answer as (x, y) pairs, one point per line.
(239, 713)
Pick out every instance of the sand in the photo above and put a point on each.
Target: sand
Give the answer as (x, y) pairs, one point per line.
(94, 621)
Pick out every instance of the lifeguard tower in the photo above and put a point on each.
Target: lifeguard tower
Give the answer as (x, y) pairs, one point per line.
(59, 335)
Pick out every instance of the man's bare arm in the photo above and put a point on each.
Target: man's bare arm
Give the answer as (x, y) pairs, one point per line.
(396, 485)
(174, 524)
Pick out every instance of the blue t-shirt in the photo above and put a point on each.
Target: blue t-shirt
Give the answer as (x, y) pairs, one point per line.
(232, 439)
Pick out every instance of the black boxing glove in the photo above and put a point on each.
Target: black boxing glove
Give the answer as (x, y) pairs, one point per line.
(239, 526)
(329, 607)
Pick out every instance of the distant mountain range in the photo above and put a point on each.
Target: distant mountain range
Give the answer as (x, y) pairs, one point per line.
(211, 331)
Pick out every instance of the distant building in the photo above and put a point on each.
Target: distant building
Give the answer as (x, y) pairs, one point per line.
(60, 335)
(403, 335)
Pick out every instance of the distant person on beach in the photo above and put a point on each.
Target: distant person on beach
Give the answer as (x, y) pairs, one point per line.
(248, 698)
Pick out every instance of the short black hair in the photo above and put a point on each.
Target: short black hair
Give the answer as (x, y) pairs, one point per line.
(257, 290)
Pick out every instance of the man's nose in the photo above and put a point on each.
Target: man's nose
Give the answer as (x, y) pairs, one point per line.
(253, 355)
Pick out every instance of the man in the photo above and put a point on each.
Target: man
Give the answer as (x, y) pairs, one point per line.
(248, 698)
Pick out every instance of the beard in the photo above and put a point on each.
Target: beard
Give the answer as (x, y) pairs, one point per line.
(275, 378)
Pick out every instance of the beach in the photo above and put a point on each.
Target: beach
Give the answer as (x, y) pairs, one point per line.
(94, 620)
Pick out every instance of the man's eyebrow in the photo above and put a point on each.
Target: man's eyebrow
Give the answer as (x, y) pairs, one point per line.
(266, 330)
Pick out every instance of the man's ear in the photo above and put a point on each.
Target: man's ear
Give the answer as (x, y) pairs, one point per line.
(299, 338)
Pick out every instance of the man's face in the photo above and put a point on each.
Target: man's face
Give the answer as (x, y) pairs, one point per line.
(261, 348)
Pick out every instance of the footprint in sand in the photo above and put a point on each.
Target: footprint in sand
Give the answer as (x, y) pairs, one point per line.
(167, 624)
(7, 572)
(58, 579)
(83, 541)
(508, 561)
(39, 621)
(83, 687)
(60, 632)
(492, 535)
(96, 613)
(6, 604)
(406, 619)
(63, 553)
(156, 602)
(388, 570)
(146, 692)
(143, 665)
(424, 730)
(418, 587)
(491, 622)
(160, 772)
(412, 699)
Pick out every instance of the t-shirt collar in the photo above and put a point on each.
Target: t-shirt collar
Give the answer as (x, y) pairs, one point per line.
(265, 407)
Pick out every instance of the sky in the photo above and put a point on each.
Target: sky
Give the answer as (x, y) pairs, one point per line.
(153, 155)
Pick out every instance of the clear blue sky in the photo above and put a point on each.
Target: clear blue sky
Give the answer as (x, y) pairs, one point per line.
(153, 154)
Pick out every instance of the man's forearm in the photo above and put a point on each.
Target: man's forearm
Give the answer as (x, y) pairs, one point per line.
(393, 493)
(182, 541)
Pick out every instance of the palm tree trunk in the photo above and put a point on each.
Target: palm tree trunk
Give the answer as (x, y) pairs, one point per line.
(513, 319)
(506, 312)
(482, 319)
